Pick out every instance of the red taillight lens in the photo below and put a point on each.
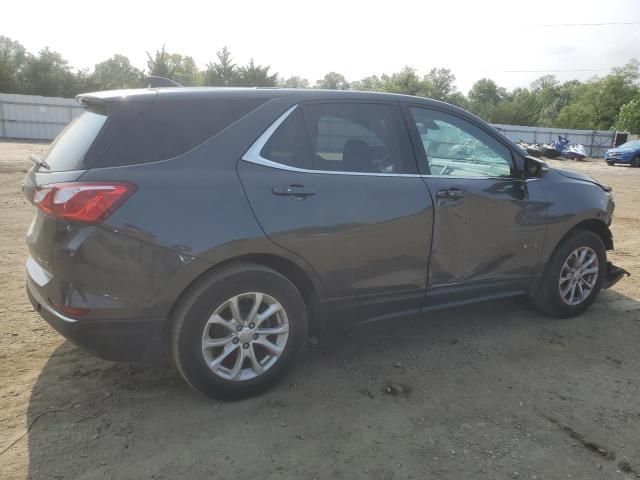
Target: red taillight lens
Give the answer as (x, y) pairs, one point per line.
(71, 311)
(90, 202)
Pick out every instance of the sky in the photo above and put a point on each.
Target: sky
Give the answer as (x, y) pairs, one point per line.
(475, 39)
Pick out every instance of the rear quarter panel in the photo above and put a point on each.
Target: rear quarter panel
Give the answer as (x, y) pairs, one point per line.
(193, 208)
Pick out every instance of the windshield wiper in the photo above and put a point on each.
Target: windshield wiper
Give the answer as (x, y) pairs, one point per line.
(38, 161)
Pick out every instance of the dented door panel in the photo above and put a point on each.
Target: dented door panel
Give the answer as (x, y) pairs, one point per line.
(493, 230)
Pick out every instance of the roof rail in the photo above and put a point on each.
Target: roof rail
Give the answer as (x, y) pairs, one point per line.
(156, 82)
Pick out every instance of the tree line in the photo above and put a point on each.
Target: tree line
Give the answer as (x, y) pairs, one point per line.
(605, 102)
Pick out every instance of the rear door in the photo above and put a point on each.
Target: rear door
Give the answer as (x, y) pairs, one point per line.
(337, 184)
(489, 222)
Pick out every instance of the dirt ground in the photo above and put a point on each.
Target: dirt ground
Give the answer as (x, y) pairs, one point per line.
(495, 390)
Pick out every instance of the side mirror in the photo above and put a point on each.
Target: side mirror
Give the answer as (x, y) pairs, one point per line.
(533, 167)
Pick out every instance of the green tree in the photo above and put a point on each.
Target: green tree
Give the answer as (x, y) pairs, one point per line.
(459, 100)
(372, 83)
(484, 98)
(176, 67)
(13, 58)
(549, 97)
(84, 82)
(253, 75)
(333, 81)
(597, 103)
(224, 72)
(518, 108)
(406, 82)
(294, 82)
(185, 70)
(629, 117)
(439, 84)
(48, 74)
(159, 64)
(116, 72)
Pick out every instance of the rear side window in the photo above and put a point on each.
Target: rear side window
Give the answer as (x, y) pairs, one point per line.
(290, 144)
(169, 128)
(69, 148)
(341, 137)
(354, 137)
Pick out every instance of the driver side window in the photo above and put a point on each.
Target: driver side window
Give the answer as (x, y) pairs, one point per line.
(455, 147)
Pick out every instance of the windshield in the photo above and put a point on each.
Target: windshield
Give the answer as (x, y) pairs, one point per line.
(67, 151)
(632, 144)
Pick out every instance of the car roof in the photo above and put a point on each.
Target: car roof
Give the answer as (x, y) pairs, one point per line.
(299, 94)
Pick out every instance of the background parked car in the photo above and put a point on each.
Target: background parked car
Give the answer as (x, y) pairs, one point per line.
(627, 153)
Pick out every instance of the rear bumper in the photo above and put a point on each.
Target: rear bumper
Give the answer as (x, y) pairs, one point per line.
(118, 340)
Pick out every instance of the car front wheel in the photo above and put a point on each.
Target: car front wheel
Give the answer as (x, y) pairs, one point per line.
(574, 275)
(238, 331)
(635, 161)
(611, 164)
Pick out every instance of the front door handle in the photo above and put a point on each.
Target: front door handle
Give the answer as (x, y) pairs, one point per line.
(450, 194)
(296, 191)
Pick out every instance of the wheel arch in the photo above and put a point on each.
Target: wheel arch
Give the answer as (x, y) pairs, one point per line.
(593, 225)
(306, 283)
(596, 226)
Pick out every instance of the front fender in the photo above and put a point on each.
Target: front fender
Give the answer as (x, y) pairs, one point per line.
(574, 203)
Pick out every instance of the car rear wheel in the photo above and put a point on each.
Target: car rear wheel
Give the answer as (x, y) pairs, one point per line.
(635, 161)
(238, 331)
(573, 277)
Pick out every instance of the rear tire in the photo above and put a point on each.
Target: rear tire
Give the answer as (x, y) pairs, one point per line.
(220, 338)
(635, 161)
(564, 291)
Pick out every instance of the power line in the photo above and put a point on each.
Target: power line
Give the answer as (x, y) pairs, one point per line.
(602, 24)
(551, 71)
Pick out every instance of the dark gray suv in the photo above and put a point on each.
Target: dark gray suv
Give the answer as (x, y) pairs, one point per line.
(223, 225)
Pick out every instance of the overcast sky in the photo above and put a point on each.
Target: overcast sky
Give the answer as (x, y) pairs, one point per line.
(475, 39)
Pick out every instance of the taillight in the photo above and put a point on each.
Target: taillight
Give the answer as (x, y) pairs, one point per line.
(71, 311)
(90, 202)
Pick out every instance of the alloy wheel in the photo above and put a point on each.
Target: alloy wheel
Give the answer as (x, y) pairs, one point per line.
(245, 336)
(578, 275)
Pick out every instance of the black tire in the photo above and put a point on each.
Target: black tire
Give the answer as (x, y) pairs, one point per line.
(611, 164)
(635, 161)
(200, 302)
(547, 298)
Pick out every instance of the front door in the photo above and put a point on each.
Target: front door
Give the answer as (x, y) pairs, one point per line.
(489, 223)
(337, 184)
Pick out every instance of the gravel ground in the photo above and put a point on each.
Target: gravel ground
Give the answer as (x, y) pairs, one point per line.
(495, 390)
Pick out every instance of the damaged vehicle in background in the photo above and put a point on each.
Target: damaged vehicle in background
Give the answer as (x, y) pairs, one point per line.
(223, 225)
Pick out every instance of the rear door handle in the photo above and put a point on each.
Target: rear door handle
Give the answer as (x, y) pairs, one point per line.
(296, 191)
(450, 194)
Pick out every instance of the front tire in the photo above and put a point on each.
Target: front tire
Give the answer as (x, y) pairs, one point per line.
(573, 277)
(635, 161)
(238, 331)
(611, 164)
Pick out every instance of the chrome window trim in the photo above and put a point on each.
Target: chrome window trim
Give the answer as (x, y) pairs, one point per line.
(253, 155)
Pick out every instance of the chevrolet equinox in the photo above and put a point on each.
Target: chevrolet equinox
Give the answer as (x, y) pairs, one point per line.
(222, 225)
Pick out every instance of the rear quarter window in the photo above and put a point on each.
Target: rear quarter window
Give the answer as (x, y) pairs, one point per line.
(69, 148)
(169, 128)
